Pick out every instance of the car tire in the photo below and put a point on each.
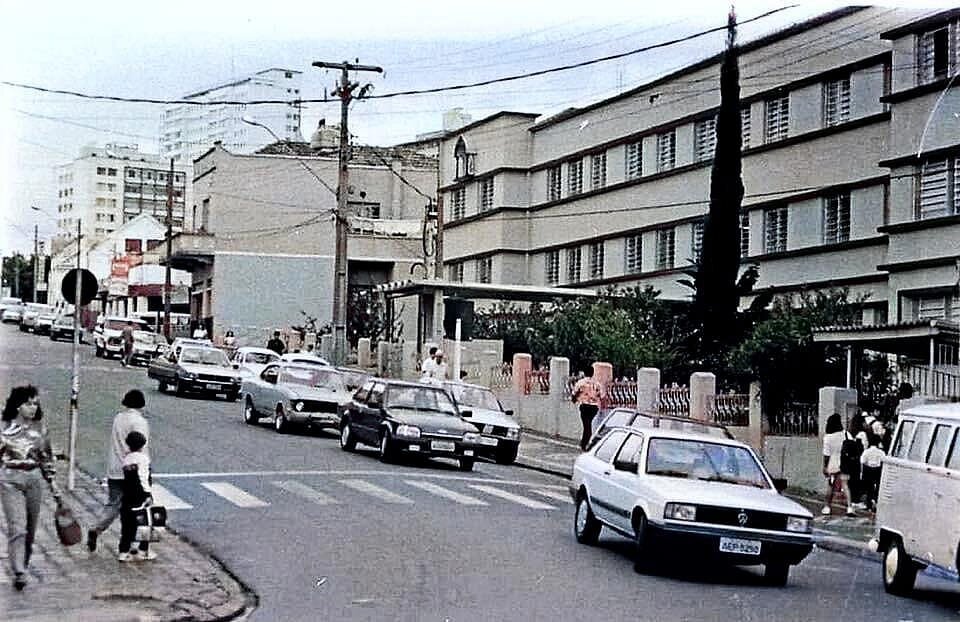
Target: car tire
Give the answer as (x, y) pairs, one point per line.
(776, 574)
(347, 441)
(161, 386)
(99, 352)
(899, 571)
(232, 396)
(179, 388)
(586, 526)
(465, 464)
(280, 423)
(250, 415)
(641, 538)
(507, 455)
(53, 337)
(387, 451)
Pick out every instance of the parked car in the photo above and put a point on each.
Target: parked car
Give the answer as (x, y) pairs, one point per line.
(500, 431)
(304, 357)
(179, 343)
(147, 346)
(62, 328)
(638, 420)
(252, 361)
(108, 334)
(31, 313)
(196, 369)
(919, 499)
(8, 302)
(12, 314)
(295, 394)
(44, 322)
(408, 417)
(354, 378)
(691, 495)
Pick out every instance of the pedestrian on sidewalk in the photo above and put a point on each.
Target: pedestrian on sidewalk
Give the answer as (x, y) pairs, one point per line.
(587, 394)
(276, 344)
(872, 461)
(26, 468)
(136, 495)
(429, 365)
(127, 335)
(128, 420)
(833, 441)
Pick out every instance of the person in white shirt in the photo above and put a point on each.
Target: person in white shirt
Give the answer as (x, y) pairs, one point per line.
(429, 365)
(136, 492)
(832, 447)
(440, 369)
(200, 332)
(872, 461)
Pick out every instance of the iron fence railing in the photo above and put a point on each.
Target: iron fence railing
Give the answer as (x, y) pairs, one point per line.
(796, 419)
(675, 400)
(732, 409)
(501, 376)
(932, 382)
(620, 393)
(536, 382)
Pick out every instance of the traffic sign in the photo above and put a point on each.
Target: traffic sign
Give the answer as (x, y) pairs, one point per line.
(88, 286)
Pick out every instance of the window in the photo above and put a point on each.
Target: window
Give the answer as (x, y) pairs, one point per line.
(484, 269)
(930, 308)
(574, 177)
(953, 462)
(933, 55)
(836, 102)
(596, 260)
(465, 163)
(744, 234)
(455, 272)
(704, 139)
(836, 218)
(745, 126)
(775, 230)
(111, 172)
(552, 275)
(486, 194)
(609, 446)
(938, 194)
(553, 183)
(633, 254)
(101, 170)
(666, 247)
(573, 265)
(598, 170)
(152, 244)
(940, 445)
(630, 452)
(777, 113)
(458, 207)
(920, 442)
(696, 247)
(634, 163)
(900, 444)
(132, 246)
(131, 173)
(666, 150)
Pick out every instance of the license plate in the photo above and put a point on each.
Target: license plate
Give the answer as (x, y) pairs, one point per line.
(488, 441)
(743, 547)
(213, 387)
(442, 445)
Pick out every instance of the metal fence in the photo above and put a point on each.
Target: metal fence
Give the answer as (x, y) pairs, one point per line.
(934, 383)
(732, 409)
(501, 376)
(536, 382)
(675, 400)
(796, 419)
(620, 393)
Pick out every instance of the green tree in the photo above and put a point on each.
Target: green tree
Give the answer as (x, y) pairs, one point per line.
(18, 276)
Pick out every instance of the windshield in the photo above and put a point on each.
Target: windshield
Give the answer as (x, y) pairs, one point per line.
(420, 398)
(204, 356)
(121, 324)
(475, 397)
(701, 460)
(260, 358)
(309, 377)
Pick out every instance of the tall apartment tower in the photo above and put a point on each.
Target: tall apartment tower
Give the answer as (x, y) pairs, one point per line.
(187, 131)
(107, 186)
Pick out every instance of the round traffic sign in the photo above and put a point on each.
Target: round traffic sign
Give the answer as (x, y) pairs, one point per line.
(88, 286)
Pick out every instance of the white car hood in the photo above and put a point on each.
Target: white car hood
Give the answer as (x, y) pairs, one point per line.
(699, 492)
(316, 393)
(484, 416)
(212, 370)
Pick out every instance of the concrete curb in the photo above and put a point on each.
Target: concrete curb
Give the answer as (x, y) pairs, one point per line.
(845, 546)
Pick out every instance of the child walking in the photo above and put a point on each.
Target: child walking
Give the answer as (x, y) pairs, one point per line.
(872, 461)
(136, 491)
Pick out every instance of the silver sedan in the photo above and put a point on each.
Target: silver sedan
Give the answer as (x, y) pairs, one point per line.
(294, 394)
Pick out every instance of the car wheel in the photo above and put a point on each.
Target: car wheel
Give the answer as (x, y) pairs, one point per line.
(280, 421)
(507, 455)
(899, 571)
(53, 337)
(179, 387)
(99, 352)
(161, 386)
(386, 447)
(250, 415)
(776, 574)
(347, 442)
(641, 544)
(232, 397)
(465, 464)
(586, 527)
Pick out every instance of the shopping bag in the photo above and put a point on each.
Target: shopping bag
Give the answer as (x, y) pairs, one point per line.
(68, 528)
(151, 523)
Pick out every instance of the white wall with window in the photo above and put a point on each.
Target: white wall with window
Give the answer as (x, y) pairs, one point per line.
(836, 218)
(666, 248)
(597, 260)
(633, 162)
(574, 177)
(553, 183)
(938, 194)
(696, 240)
(666, 150)
(777, 118)
(458, 203)
(598, 170)
(775, 229)
(836, 101)
(744, 234)
(574, 264)
(552, 267)
(485, 270)
(633, 254)
(455, 271)
(704, 139)
(485, 188)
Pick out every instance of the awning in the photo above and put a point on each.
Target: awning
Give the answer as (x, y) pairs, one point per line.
(905, 338)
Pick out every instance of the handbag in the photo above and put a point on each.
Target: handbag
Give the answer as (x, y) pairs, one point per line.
(68, 528)
(151, 523)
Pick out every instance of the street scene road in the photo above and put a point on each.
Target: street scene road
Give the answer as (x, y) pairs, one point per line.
(318, 533)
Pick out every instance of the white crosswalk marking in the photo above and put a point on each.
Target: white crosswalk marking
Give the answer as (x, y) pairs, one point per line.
(373, 490)
(234, 495)
(440, 491)
(304, 491)
(553, 494)
(509, 496)
(162, 496)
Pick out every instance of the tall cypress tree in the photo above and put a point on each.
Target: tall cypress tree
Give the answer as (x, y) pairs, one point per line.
(717, 295)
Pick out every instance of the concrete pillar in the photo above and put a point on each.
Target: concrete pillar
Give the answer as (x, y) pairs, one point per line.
(522, 364)
(326, 346)
(436, 332)
(363, 352)
(559, 372)
(836, 400)
(648, 389)
(383, 359)
(703, 392)
(755, 429)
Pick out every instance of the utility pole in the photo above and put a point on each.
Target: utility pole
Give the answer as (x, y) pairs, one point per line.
(166, 280)
(75, 383)
(36, 252)
(345, 90)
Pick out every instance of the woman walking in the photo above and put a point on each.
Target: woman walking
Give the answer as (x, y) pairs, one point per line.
(833, 440)
(26, 468)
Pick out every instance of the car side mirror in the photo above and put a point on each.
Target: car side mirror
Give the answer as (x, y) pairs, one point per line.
(780, 483)
(630, 467)
(508, 412)
(236, 365)
(466, 414)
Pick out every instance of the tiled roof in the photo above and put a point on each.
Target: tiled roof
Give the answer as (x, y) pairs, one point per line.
(363, 155)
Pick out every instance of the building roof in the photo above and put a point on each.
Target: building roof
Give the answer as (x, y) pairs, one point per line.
(911, 338)
(935, 19)
(363, 155)
(236, 82)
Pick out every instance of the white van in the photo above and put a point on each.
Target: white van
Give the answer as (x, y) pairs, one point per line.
(919, 501)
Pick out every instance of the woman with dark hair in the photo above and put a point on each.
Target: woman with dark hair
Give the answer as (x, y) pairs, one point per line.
(832, 448)
(26, 467)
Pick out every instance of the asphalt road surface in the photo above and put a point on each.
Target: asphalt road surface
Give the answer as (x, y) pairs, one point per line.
(320, 534)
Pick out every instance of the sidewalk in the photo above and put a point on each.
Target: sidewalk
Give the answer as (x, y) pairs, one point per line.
(73, 584)
(837, 532)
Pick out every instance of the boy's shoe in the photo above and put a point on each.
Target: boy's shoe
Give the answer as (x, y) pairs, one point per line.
(19, 582)
(124, 557)
(92, 540)
(142, 556)
(826, 510)
(850, 511)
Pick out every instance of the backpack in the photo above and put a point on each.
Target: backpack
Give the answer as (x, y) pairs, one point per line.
(850, 452)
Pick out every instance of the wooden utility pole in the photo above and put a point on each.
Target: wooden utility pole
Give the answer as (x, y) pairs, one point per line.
(166, 280)
(345, 90)
(36, 252)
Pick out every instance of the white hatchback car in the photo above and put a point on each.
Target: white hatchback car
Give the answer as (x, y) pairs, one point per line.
(676, 493)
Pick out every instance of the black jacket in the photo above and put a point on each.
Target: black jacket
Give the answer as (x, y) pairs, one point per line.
(276, 345)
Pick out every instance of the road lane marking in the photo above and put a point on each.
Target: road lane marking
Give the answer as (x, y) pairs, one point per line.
(162, 496)
(440, 491)
(552, 494)
(363, 473)
(302, 490)
(509, 496)
(381, 493)
(234, 495)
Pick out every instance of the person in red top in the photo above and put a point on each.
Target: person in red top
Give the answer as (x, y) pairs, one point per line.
(587, 394)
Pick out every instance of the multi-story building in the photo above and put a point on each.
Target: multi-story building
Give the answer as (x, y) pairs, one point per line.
(851, 165)
(108, 186)
(188, 130)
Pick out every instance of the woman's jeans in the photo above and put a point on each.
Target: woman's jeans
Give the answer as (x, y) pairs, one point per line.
(21, 493)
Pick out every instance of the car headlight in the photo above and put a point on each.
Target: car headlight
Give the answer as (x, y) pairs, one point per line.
(188, 375)
(471, 437)
(408, 431)
(799, 524)
(513, 433)
(298, 406)
(680, 511)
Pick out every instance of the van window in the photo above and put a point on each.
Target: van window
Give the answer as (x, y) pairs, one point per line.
(900, 445)
(920, 442)
(940, 445)
(953, 462)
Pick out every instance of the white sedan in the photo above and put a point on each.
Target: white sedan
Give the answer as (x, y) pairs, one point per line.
(251, 361)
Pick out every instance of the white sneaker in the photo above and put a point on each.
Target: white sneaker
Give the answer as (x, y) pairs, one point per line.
(850, 511)
(141, 556)
(124, 557)
(826, 510)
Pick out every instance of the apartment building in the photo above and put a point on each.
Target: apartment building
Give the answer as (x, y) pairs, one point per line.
(851, 157)
(108, 186)
(188, 130)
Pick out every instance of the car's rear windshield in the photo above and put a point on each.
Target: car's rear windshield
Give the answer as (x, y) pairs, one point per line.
(204, 356)
(475, 397)
(702, 460)
(260, 358)
(420, 398)
(313, 377)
